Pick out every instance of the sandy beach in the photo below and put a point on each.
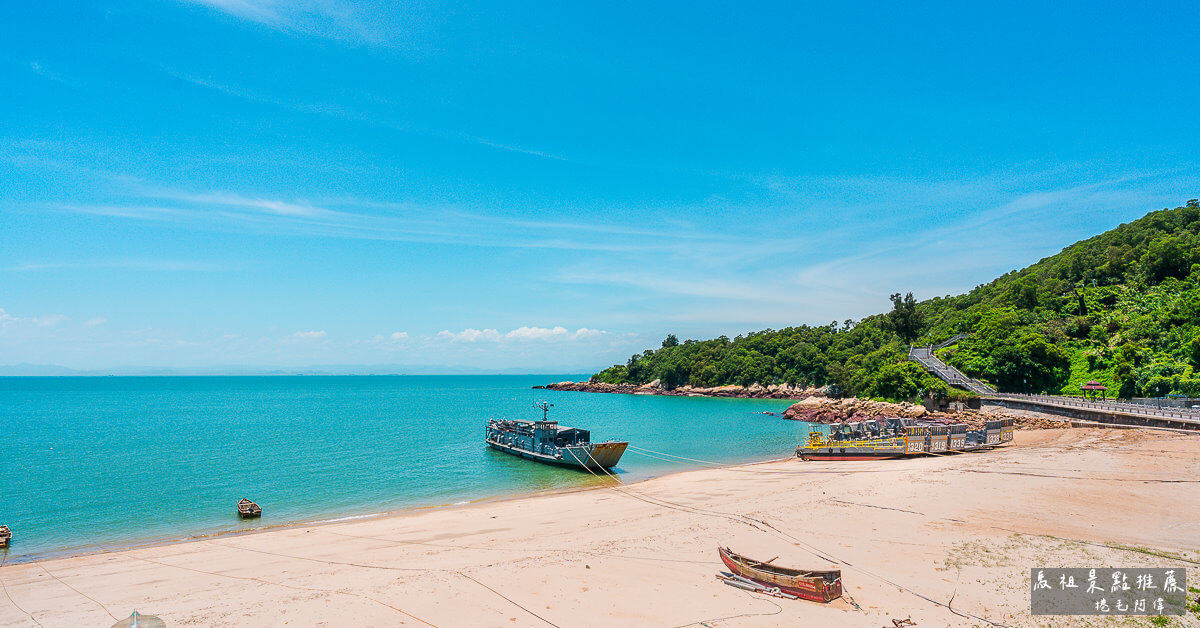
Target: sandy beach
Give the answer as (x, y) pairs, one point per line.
(962, 531)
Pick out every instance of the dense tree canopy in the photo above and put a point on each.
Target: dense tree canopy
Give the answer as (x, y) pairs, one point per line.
(905, 318)
(1122, 308)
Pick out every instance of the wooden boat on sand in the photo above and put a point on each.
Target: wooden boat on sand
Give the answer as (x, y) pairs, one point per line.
(5, 536)
(248, 509)
(818, 586)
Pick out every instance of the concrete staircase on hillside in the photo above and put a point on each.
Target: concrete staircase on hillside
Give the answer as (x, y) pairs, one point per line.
(1090, 413)
(949, 341)
(925, 357)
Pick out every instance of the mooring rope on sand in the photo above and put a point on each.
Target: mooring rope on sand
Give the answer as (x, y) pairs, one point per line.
(1078, 477)
(509, 549)
(60, 581)
(9, 595)
(704, 622)
(644, 451)
(739, 518)
(389, 567)
(735, 467)
(280, 584)
(64, 583)
(494, 548)
(327, 561)
(1106, 545)
(513, 602)
(1048, 536)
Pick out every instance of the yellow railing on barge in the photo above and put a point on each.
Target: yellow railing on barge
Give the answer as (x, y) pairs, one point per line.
(819, 441)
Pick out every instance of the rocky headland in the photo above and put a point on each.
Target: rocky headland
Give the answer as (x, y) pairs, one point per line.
(753, 391)
(814, 406)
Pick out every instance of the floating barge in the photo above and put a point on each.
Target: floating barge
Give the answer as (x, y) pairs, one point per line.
(248, 509)
(1007, 428)
(817, 586)
(958, 437)
(937, 441)
(5, 536)
(875, 439)
(548, 442)
(878, 439)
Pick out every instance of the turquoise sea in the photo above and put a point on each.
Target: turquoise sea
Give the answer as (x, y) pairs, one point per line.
(93, 463)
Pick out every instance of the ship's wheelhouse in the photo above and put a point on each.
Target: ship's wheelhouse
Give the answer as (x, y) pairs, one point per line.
(570, 436)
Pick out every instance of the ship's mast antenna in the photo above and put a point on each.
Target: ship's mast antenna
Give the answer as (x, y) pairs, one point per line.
(545, 408)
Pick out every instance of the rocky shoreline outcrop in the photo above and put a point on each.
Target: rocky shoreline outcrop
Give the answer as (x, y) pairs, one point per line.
(754, 391)
(814, 406)
(825, 410)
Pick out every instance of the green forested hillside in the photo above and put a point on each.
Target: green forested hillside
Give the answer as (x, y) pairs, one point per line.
(1122, 308)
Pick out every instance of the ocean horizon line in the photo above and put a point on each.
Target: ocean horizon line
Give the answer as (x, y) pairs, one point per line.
(33, 370)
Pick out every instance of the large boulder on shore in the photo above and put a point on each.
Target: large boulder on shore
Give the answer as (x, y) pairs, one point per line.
(826, 410)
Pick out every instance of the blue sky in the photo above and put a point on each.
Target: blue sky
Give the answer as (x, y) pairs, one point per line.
(536, 186)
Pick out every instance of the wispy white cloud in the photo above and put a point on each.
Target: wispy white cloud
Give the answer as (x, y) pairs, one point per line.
(309, 335)
(320, 108)
(787, 274)
(354, 219)
(392, 342)
(520, 334)
(132, 264)
(51, 320)
(470, 335)
(266, 11)
(679, 284)
(536, 333)
(31, 323)
(41, 70)
(94, 322)
(327, 18)
(344, 113)
(848, 273)
(267, 206)
(1003, 233)
(518, 149)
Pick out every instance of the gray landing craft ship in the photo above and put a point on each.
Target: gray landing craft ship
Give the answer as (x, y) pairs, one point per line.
(901, 437)
(548, 442)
